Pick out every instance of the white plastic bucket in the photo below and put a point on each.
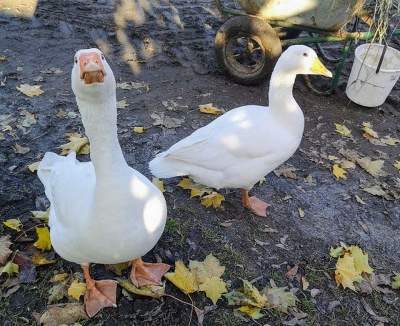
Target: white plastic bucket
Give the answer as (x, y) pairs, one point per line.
(365, 86)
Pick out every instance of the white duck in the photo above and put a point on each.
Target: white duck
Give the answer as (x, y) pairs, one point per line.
(239, 148)
(102, 211)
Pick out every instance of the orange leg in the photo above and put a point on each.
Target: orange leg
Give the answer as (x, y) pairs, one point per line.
(147, 273)
(99, 294)
(257, 206)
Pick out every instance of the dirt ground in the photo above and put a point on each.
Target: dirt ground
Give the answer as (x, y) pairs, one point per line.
(168, 44)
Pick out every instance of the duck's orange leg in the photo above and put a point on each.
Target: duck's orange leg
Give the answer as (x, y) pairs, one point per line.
(147, 273)
(99, 294)
(257, 206)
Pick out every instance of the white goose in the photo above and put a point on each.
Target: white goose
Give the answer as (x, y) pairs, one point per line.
(239, 148)
(102, 211)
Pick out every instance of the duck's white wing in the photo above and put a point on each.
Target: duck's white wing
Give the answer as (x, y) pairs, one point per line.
(239, 138)
(69, 186)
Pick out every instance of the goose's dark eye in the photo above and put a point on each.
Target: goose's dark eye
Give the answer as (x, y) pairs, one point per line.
(76, 60)
(102, 57)
(305, 54)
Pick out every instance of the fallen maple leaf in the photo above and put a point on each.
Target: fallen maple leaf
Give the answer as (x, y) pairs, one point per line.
(2, 57)
(338, 172)
(208, 268)
(301, 212)
(214, 199)
(122, 104)
(280, 298)
(368, 131)
(396, 164)
(248, 295)
(252, 312)
(343, 130)
(305, 283)
(76, 143)
(33, 166)
(396, 282)
(13, 223)
(372, 167)
(118, 268)
(183, 278)
(210, 109)
(336, 252)
(390, 141)
(5, 251)
(41, 215)
(76, 289)
(59, 277)
(360, 260)
(153, 291)
(18, 149)
(38, 259)
(158, 183)
(287, 171)
(377, 190)
(138, 130)
(168, 122)
(346, 273)
(30, 90)
(57, 292)
(10, 268)
(66, 314)
(43, 242)
(214, 287)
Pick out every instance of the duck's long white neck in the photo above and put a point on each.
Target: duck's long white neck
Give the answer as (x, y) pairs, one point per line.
(99, 118)
(281, 101)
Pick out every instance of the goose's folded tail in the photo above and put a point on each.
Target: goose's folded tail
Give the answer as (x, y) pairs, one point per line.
(164, 167)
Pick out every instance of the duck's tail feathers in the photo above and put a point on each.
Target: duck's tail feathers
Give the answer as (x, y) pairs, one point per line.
(164, 167)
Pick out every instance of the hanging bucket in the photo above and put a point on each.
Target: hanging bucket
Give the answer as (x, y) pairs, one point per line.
(365, 86)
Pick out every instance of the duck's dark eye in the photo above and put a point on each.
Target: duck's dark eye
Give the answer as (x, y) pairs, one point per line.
(305, 54)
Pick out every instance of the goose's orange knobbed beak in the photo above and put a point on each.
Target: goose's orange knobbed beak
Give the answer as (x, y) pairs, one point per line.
(91, 68)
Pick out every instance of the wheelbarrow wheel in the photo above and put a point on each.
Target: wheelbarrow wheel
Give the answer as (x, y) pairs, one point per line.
(247, 48)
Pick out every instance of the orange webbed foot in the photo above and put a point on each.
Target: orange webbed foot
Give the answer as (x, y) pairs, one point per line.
(147, 273)
(257, 206)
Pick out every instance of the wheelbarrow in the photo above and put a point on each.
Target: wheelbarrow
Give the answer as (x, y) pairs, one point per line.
(251, 40)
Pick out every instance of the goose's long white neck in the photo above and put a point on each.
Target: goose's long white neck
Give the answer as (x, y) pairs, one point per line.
(99, 118)
(281, 101)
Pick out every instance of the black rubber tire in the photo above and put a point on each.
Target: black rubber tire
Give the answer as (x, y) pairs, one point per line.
(260, 32)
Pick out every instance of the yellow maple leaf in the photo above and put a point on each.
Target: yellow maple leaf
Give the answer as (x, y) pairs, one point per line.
(373, 167)
(122, 104)
(41, 215)
(76, 289)
(3, 57)
(397, 165)
(248, 295)
(346, 273)
(390, 141)
(214, 287)
(43, 242)
(153, 291)
(186, 184)
(30, 90)
(338, 172)
(158, 183)
(183, 278)
(13, 223)
(368, 131)
(196, 190)
(360, 260)
(76, 143)
(336, 252)
(138, 130)
(61, 277)
(33, 166)
(10, 268)
(396, 282)
(252, 312)
(214, 199)
(343, 130)
(39, 259)
(210, 109)
(206, 269)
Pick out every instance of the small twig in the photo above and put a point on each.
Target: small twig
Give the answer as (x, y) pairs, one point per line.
(24, 231)
(186, 303)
